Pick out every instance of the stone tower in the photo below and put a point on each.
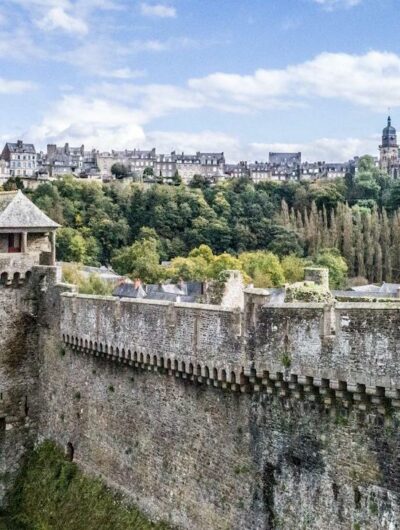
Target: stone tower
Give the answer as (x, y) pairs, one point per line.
(389, 150)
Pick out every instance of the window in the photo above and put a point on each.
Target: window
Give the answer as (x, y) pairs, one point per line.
(14, 243)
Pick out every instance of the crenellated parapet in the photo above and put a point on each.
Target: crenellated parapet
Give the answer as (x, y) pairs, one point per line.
(193, 339)
(16, 268)
(345, 354)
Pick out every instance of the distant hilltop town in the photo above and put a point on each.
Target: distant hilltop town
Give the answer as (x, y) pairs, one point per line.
(21, 160)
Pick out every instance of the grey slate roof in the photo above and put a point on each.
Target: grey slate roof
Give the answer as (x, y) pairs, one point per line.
(128, 290)
(385, 288)
(17, 211)
(19, 147)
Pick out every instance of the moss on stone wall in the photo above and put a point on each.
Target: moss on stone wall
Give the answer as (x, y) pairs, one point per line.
(51, 493)
(307, 292)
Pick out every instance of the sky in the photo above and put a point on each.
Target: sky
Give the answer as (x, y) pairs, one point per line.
(240, 76)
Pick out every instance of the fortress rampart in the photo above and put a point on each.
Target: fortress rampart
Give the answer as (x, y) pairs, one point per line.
(346, 353)
(272, 417)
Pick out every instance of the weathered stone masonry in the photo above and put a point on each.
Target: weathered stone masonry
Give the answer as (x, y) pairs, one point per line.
(275, 417)
(347, 353)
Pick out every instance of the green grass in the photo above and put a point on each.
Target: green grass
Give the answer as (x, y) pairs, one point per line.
(53, 494)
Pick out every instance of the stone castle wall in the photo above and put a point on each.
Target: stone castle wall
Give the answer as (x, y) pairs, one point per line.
(275, 417)
(347, 351)
(279, 417)
(20, 404)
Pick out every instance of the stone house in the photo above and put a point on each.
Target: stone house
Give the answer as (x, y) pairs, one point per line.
(21, 158)
(27, 235)
(259, 172)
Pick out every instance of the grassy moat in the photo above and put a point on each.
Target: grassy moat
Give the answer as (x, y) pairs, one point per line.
(51, 493)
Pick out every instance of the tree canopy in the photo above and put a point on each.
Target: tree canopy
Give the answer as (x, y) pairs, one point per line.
(267, 229)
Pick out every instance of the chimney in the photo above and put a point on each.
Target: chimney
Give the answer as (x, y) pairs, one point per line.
(137, 283)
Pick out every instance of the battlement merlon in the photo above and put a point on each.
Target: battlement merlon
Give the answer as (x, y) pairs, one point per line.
(347, 346)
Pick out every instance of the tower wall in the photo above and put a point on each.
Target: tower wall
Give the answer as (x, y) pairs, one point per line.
(20, 404)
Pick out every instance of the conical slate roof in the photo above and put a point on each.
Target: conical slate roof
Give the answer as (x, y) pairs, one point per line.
(17, 211)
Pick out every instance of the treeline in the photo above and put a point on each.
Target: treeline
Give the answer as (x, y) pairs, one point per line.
(357, 216)
(368, 239)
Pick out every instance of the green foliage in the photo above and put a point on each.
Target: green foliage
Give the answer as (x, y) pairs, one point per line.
(119, 170)
(263, 267)
(140, 260)
(356, 215)
(13, 183)
(307, 292)
(177, 179)
(286, 360)
(332, 260)
(72, 245)
(148, 172)
(86, 284)
(51, 493)
(293, 268)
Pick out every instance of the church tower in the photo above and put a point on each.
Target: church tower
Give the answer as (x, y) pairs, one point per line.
(389, 150)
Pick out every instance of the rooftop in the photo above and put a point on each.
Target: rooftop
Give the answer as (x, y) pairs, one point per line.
(20, 147)
(17, 211)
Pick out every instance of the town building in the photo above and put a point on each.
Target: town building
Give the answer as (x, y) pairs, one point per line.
(187, 166)
(165, 166)
(239, 170)
(259, 172)
(65, 160)
(21, 159)
(284, 159)
(104, 163)
(389, 150)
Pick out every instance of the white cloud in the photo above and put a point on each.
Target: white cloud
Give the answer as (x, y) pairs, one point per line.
(15, 87)
(122, 73)
(372, 80)
(167, 141)
(321, 149)
(70, 16)
(19, 45)
(96, 122)
(330, 5)
(157, 10)
(106, 123)
(58, 19)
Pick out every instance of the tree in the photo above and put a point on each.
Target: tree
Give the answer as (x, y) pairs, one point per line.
(73, 246)
(284, 241)
(148, 172)
(13, 183)
(197, 266)
(293, 268)
(332, 260)
(87, 284)
(119, 170)
(263, 267)
(176, 179)
(140, 260)
(199, 181)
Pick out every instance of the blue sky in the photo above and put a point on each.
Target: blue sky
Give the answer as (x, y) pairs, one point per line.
(243, 77)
